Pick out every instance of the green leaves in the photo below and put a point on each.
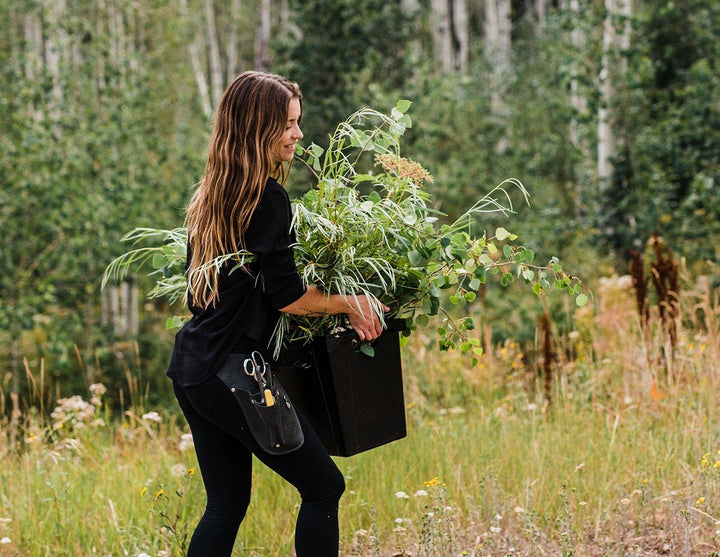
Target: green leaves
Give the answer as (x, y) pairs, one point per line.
(502, 234)
(313, 152)
(401, 107)
(402, 120)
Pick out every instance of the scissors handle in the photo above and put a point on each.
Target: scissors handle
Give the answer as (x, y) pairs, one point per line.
(259, 370)
(249, 363)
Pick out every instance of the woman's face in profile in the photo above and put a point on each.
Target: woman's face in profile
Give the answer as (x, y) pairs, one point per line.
(286, 145)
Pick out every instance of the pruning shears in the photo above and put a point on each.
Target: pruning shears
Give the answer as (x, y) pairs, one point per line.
(255, 366)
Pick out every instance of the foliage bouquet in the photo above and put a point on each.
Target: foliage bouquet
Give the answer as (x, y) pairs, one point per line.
(368, 227)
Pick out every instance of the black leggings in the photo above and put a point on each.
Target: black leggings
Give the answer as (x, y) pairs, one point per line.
(224, 449)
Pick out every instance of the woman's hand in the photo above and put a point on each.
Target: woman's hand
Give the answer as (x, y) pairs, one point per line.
(363, 318)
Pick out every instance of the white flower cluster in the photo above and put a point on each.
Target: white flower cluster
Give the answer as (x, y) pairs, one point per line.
(76, 412)
(152, 417)
(97, 390)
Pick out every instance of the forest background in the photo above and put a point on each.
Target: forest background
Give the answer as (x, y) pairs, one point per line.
(608, 112)
(598, 425)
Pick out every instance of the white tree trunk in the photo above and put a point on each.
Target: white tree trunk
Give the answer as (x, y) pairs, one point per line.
(578, 101)
(233, 60)
(461, 34)
(33, 57)
(450, 32)
(213, 46)
(116, 26)
(195, 50)
(262, 38)
(497, 32)
(199, 70)
(411, 9)
(497, 47)
(442, 34)
(56, 48)
(613, 67)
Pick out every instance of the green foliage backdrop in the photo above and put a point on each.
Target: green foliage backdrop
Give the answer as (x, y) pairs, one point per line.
(104, 129)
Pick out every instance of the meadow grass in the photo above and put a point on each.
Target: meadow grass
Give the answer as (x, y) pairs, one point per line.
(624, 460)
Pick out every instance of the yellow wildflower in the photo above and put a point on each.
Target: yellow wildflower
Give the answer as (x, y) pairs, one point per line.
(433, 482)
(705, 462)
(143, 492)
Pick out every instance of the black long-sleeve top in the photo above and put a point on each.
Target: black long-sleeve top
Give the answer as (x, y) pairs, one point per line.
(247, 309)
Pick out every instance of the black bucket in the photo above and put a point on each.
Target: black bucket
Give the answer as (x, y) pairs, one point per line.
(353, 401)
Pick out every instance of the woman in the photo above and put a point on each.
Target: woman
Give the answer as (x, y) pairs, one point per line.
(241, 205)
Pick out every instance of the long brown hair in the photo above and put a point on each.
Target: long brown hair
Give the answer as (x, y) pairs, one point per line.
(250, 120)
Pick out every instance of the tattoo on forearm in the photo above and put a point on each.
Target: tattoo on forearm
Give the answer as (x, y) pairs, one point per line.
(312, 312)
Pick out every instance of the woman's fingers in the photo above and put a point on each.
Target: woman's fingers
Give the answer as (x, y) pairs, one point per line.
(364, 320)
(374, 326)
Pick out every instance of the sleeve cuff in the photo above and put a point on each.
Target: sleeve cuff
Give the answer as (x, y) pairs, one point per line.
(288, 296)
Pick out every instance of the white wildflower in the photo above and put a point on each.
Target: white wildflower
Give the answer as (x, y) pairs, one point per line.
(186, 442)
(495, 529)
(420, 493)
(98, 389)
(401, 495)
(152, 416)
(5, 540)
(178, 470)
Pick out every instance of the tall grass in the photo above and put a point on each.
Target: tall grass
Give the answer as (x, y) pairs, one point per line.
(625, 461)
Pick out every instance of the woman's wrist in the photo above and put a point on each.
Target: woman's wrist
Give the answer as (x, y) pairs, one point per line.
(339, 303)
